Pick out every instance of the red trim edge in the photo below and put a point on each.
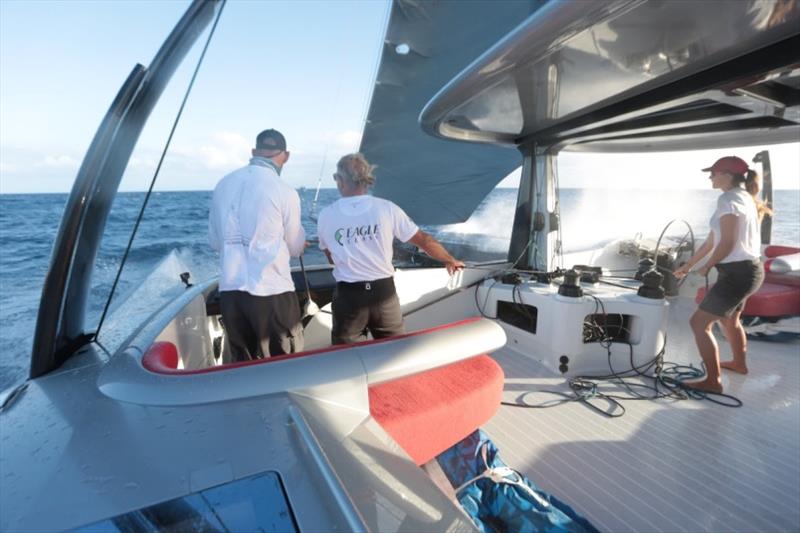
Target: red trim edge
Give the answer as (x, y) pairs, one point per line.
(162, 356)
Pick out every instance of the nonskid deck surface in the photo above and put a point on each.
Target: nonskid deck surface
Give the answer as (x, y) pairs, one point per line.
(666, 465)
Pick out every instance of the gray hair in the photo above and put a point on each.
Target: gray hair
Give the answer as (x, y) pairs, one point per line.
(356, 169)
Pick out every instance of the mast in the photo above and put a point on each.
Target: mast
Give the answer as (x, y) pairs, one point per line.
(534, 234)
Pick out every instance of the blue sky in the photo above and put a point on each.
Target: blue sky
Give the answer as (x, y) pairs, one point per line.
(304, 67)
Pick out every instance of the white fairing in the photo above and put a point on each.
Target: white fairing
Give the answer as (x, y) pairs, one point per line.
(339, 370)
(123, 437)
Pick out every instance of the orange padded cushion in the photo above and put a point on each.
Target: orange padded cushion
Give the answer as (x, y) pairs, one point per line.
(427, 413)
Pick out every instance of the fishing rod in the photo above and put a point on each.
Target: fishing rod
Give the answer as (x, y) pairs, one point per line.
(310, 307)
(313, 214)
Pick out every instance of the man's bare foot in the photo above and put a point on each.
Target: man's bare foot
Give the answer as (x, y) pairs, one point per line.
(740, 368)
(704, 385)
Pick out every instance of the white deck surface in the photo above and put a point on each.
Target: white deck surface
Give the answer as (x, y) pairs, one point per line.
(666, 465)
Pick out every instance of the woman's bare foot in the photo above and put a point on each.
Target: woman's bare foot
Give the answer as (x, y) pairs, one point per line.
(704, 385)
(740, 368)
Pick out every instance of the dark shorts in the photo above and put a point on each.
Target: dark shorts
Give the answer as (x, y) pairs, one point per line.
(260, 326)
(735, 282)
(366, 306)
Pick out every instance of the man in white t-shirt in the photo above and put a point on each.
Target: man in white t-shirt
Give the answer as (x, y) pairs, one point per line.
(255, 226)
(356, 233)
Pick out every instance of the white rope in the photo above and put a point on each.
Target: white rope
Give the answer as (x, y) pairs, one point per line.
(503, 474)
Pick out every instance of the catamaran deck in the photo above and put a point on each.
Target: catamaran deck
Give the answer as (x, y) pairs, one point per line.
(666, 465)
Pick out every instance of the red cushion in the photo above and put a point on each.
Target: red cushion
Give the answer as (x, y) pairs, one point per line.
(770, 300)
(161, 357)
(429, 412)
(782, 279)
(783, 264)
(776, 250)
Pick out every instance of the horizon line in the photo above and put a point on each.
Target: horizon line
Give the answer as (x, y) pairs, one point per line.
(4, 193)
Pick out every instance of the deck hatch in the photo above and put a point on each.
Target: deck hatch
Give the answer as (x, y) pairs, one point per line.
(519, 315)
(256, 503)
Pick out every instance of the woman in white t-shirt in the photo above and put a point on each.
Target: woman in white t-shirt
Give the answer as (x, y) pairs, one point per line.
(356, 233)
(734, 241)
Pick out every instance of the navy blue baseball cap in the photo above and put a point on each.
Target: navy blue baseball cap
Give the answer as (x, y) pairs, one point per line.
(271, 140)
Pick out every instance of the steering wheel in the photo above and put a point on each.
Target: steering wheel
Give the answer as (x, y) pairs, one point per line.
(689, 234)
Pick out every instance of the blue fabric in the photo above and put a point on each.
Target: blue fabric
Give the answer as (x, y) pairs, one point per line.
(514, 504)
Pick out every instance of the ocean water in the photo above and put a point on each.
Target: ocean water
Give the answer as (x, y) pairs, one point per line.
(175, 227)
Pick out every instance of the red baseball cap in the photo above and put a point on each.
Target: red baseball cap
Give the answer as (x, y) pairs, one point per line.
(730, 164)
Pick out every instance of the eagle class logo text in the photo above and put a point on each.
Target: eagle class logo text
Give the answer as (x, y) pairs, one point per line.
(356, 234)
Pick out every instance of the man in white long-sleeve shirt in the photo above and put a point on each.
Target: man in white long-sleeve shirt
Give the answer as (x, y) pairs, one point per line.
(255, 226)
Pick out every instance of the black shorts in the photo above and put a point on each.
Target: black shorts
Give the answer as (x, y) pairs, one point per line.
(366, 306)
(735, 282)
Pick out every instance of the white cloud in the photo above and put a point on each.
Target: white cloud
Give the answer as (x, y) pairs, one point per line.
(224, 150)
(58, 161)
(337, 142)
(345, 141)
(142, 163)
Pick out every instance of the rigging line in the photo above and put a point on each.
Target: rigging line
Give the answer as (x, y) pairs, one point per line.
(559, 246)
(334, 120)
(617, 285)
(453, 292)
(158, 169)
(535, 207)
(373, 80)
(519, 258)
(531, 238)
